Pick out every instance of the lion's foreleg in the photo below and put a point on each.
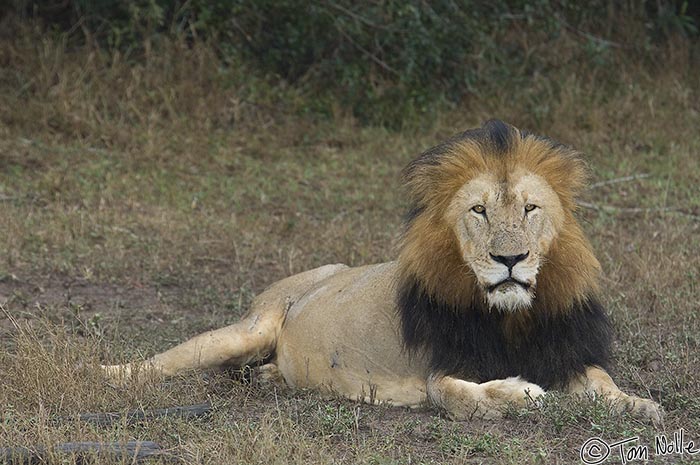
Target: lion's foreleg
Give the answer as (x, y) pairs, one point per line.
(251, 339)
(464, 399)
(597, 382)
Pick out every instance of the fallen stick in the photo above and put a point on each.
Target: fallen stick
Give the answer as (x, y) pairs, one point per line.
(133, 450)
(633, 177)
(613, 209)
(105, 419)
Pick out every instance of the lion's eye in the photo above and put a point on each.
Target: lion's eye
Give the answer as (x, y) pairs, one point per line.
(480, 209)
(529, 207)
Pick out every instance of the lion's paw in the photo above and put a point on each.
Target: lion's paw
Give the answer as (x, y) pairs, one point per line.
(119, 374)
(645, 409)
(514, 390)
(496, 395)
(269, 373)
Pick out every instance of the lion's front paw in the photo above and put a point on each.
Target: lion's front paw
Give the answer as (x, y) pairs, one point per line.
(513, 390)
(496, 395)
(464, 400)
(645, 409)
(534, 394)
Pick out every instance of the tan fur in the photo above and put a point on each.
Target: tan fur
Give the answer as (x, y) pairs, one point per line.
(337, 329)
(596, 382)
(464, 400)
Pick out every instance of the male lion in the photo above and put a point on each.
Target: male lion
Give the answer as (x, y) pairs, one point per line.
(492, 299)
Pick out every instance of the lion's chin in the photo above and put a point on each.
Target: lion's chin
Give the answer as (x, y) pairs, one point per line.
(509, 297)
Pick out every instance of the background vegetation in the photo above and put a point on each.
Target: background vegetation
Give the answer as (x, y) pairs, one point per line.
(387, 62)
(161, 163)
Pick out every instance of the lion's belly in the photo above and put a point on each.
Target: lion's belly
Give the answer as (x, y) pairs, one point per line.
(343, 336)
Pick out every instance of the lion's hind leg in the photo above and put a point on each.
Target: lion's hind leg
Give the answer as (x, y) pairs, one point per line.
(463, 400)
(251, 339)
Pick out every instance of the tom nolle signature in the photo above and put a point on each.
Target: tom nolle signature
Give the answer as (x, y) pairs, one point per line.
(595, 450)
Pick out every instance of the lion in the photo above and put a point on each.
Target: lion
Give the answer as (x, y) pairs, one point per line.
(492, 300)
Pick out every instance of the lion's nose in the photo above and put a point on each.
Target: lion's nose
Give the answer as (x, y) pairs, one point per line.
(510, 260)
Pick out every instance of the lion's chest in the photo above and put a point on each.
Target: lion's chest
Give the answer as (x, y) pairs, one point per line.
(479, 345)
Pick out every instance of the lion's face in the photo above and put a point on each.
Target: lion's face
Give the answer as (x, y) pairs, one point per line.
(492, 224)
(504, 228)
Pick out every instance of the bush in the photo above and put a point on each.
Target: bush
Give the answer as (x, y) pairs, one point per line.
(388, 61)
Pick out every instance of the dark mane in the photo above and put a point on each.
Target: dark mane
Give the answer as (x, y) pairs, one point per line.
(442, 308)
(545, 347)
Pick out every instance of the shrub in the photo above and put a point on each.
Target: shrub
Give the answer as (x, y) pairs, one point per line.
(388, 61)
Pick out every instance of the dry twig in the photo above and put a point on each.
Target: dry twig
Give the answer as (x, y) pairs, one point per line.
(185, 411)
(608, 182)
(133, 450)
(10, 318)
(614, 209)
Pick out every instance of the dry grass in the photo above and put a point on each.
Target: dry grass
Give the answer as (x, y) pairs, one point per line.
(141, 203)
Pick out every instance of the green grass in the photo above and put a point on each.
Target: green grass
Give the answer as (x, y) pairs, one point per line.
(131, 220)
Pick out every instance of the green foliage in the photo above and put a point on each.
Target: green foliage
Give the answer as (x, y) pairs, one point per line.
(671, 18)
(337, 420)
(389, 61)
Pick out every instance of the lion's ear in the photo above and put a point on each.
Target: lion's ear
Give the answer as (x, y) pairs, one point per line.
(436, 174)
(579, 173)
(568, 174)
(560, 165)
